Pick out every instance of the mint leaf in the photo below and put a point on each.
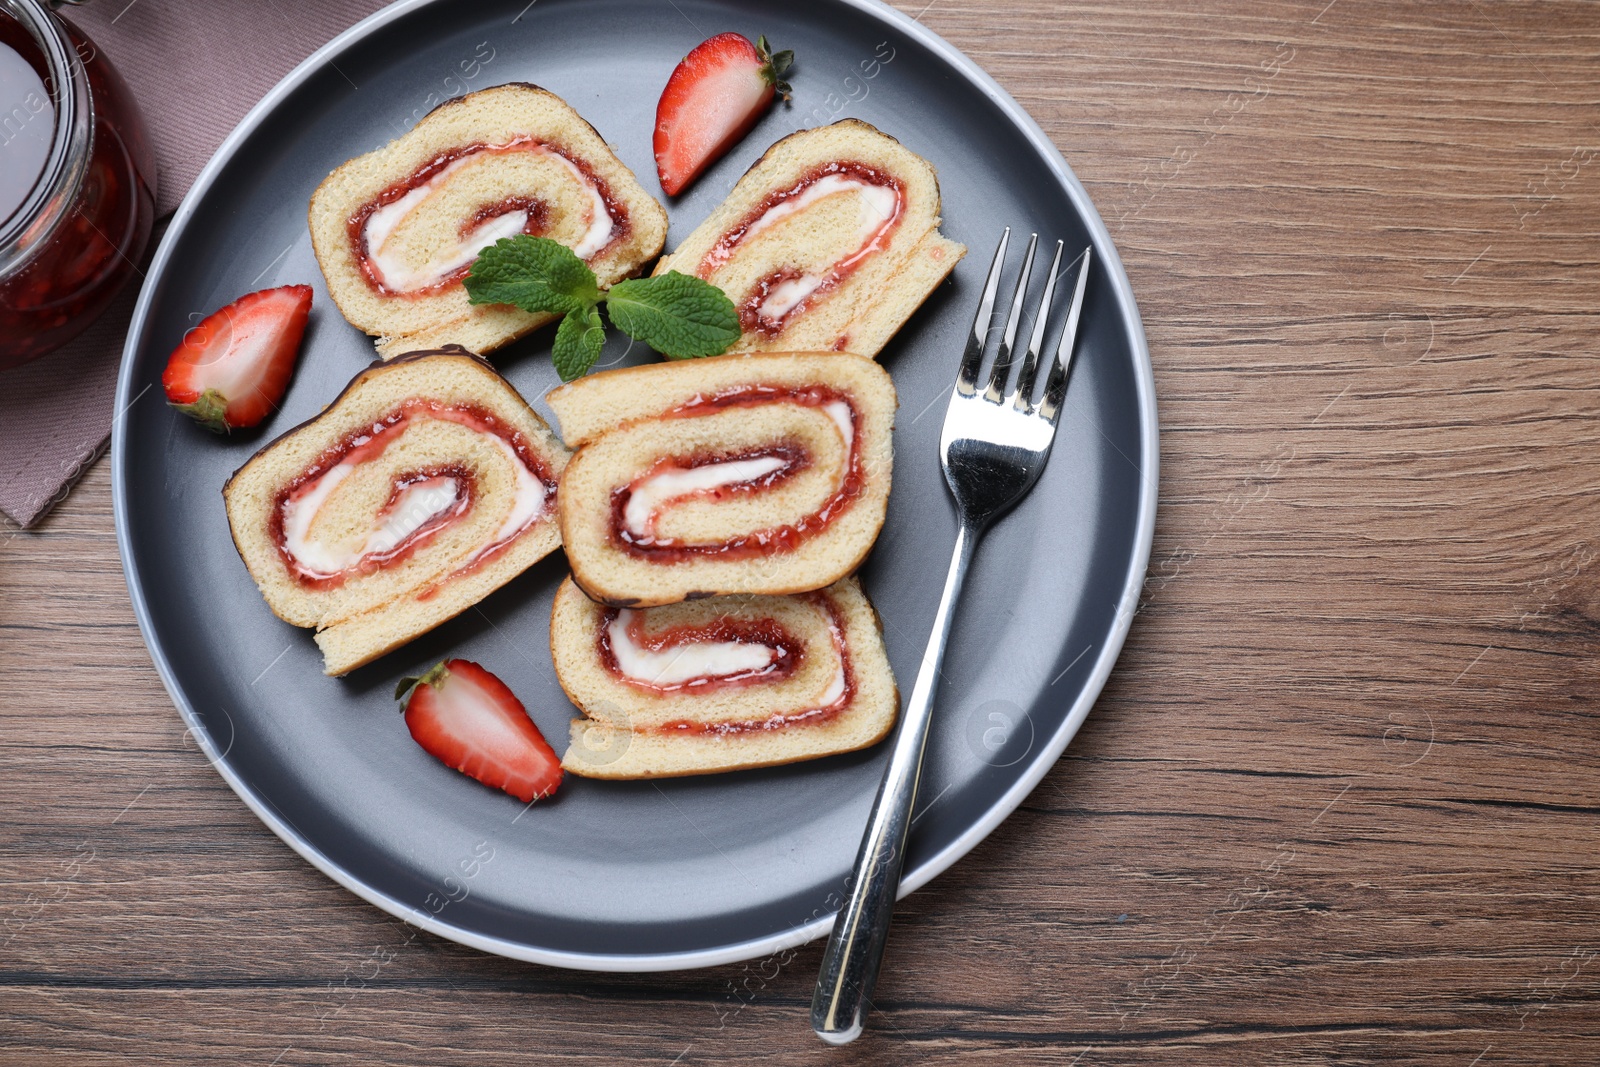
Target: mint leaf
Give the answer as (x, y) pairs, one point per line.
(534, 273)
(579, 339)
(675, 314)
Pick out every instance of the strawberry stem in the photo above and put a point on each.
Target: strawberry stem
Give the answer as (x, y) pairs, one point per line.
(210, 411)
(774, 65)
(434, 676)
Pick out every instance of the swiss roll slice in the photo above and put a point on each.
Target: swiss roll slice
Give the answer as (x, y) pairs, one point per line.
(396, 230)
(755, 473)
(425, 486)
(829, 243)
(720, 684)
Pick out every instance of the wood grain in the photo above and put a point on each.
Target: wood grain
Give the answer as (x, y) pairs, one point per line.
(1337, 805)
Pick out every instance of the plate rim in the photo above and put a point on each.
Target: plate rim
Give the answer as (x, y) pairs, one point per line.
(1047, 755)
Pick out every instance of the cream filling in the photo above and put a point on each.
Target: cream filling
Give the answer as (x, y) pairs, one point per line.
(876, 204)
(839, 412)
(654, 493)
(528, 503)
(418, 504)
(687, 662)
(875, 207)
(598, 219)
(698, 660)
(786, 295)
(835, 689)
(397, 277)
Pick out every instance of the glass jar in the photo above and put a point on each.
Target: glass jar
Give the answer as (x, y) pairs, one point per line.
(77, 182)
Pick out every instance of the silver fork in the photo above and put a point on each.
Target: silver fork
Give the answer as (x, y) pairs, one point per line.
(993, 447)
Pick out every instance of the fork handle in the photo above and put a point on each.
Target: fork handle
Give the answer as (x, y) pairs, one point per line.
(855, 947)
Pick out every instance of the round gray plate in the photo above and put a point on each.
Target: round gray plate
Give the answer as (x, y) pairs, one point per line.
(642, 875)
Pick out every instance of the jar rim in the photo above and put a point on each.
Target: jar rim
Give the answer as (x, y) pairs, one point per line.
(53, 194)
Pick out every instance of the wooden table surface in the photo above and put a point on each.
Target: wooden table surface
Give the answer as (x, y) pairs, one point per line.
(1337, 804)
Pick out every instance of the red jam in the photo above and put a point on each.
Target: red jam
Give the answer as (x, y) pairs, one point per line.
(70, 276)
(808, 717)
(750, 317)
(775, 539)
(538, 211)
(793, 456)
(466, 491)
(538, 215)
(368, 444)
(462, 485)
(787, 651)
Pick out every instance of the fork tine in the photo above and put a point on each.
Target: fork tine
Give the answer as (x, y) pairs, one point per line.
(1055, 387)
(1008, 343)
(972, 358)
(1021, 397)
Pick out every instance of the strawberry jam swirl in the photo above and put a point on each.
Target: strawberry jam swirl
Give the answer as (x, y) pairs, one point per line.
(720, 655)
(724, 654)
(422, 502)
(787, 291)
(370, 226)
(637, 506)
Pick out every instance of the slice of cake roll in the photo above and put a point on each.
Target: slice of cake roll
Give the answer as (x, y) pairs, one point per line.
(721, 684)
(428, 484)
(760, 473)
(396, 230)
(827, 244)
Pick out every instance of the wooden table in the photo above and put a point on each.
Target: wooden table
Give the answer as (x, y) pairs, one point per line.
(1337, 804)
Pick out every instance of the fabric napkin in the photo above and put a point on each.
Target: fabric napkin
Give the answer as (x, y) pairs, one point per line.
(195, 68)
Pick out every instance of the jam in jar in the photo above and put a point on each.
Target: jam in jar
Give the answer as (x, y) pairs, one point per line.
(77, 182)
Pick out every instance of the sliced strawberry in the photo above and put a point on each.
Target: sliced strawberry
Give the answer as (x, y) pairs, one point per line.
(467, 719)
(712, 99)
(232, 369)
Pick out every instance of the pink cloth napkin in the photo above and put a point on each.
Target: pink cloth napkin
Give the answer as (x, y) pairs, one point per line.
(195, 69)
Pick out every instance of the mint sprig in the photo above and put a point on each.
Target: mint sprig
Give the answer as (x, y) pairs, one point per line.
(674, 314)
(534, 273)
(677, 315)
(579, 339)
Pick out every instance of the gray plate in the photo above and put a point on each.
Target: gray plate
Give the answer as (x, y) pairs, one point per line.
(686, 872)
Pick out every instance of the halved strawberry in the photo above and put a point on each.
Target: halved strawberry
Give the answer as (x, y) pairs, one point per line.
(469, 720)
(712, 99)
(232, 369)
